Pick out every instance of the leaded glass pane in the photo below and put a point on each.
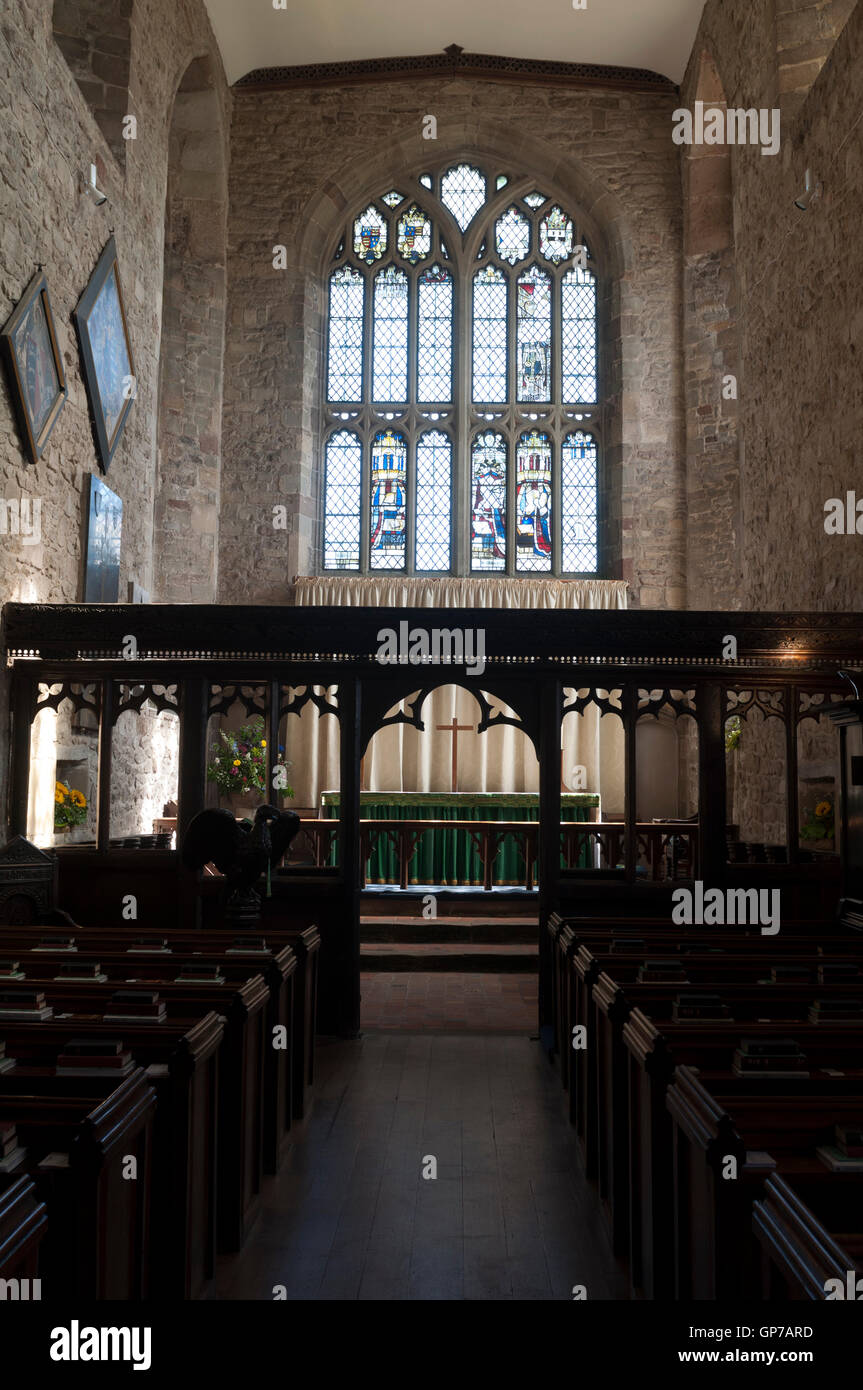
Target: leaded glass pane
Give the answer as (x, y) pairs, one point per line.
(370, 235)
(343, 470)
(578, 337)
(345, 355)
(556, 236)
(489, 335)
(501, 182)
(414, 235)
(426, 180)
(488, 503)
(434, 501)
(533, 336)
(533, 503)
(388, 529)
(462, 193)
(390, 345)
(512, 236)
(392, 199)
(535, 200)
(578, 503)
(434, 336)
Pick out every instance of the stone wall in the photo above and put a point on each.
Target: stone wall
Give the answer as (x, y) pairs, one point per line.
(302, 160)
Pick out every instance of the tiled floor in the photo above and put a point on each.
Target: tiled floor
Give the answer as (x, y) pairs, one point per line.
(443, 1001)
(508, 1216)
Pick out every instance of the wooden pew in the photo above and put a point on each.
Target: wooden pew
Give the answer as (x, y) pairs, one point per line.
(96, 1245)
(798, 1253)
(181, 1060)
(23, 1223)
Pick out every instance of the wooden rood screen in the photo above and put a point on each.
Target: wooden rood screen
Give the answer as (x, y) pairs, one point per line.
(716, 671)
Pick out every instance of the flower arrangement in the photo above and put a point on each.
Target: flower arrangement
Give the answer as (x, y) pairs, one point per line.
(70, 806)
(818, 824)
(238, 762)
(733, 727)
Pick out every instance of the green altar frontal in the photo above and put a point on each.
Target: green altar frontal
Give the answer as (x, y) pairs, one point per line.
(450, 856)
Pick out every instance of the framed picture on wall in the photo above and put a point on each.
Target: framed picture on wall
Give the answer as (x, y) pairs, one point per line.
(34, 366)
(106, 352)
(104, 531)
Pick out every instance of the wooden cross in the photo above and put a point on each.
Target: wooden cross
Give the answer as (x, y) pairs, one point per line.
(454, 728)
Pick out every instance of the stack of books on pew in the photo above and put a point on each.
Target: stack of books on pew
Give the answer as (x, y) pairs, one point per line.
(11, 970)
(694, 1007)
(790, 974)
(832, 1011)
(11, 1153)
(770, 1058)
(56, 943)
(23, 1006)
(135, 1006)
(6, 1063)
(94, 1057)
(248, 946)
(661, 970)
(846, 1155)
(88, 971)
(202, 974)
(146, 946)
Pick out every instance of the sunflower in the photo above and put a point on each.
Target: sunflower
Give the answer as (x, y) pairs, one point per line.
(59, 797)
(77, 798)
(823, 809)
(61, 791)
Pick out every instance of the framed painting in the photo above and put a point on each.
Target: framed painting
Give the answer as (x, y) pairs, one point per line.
(34, 365)
(104, 530)
(109, 371)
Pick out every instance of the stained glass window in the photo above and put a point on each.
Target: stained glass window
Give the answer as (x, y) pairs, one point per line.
(533, 503)
(390, 348)
(488, 503)
(533, 336)
(388, 529)
(343, 472)
(512, 236)
(434, 336)
(511, 296)
(578, 337)
(370, 235)
(347, 301)
(414, 235)
(556, 236)
(434, 501)
(463, 193)
(489, 335)
(579, 503)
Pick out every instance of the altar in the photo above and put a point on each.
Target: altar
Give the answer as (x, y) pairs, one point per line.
(452, 857)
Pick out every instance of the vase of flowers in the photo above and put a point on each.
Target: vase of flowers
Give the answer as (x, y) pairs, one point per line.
(238, 766)
(70, 808)
(818, 825)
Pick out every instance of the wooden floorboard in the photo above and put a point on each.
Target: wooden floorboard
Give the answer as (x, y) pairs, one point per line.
(509, 1216)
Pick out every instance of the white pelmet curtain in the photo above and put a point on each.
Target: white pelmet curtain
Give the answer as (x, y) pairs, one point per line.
(400, 758)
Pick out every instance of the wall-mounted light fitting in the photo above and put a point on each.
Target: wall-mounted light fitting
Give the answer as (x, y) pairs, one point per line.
(92, 189)
(811, 193)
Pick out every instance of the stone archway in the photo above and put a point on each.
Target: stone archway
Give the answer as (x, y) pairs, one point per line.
(192, 348)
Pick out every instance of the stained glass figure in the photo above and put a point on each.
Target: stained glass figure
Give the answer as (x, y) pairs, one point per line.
(488, 503)
(578, 503)
(535, 200)
(533, 335)
(489, 335)
(533, 503)
(390, 336)
(512, 236)
(414, 235)
(343, 468)
(345, 356)
(462, 193)
(426, 180)
(392, 199)
(578, 337)
(434, 336)
(556, 236)
(434, 501)
(370, 235)
(388, 532)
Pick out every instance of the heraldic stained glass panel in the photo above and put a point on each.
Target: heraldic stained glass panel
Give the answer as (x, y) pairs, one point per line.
(434, 501)
(512, 236)
(462, 192)
(488, 503)
(434, 336)
(347, 302)
(533, 336)
(390, 336)
(393, 198)
(414, 235)
(370, 235)
(578, 501)
(556, 237)
(533, 503)
(578, 337)
(489, 335)
(343, 475)
(388, 528)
